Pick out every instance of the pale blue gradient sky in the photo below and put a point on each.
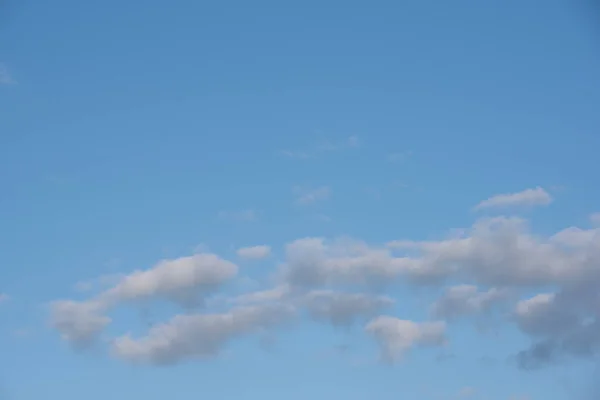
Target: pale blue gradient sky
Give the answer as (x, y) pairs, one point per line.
(136, 131)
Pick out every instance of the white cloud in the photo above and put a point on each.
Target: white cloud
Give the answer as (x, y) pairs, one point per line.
(341, 309)
(353, 141)
(98, 283)
(395, 336)
(198, 336)
(177, 279)
(496, 252)
(254, 252)
(5, 76)
(79, 322)
(299, 155)
(403, 244)
(307, 196)
(334, 307)
(564, 324)
(498, 260)
(467, 392)
(575, 237)
(528, 197)
(595, 219)
(537, 315)
(184, 280)
(201, 248)
(317, 262)
(465, 300)
(323, 218)
(277, 293)
(84, 286)
(330, 146)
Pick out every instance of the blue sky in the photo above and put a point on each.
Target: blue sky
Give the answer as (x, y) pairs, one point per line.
(297, 187)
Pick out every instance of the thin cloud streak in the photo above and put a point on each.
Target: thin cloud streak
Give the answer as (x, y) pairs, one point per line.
(526, 198)
(5, 77)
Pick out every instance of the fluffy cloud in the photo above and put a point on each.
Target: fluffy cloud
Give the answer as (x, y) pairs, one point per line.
(317, 262)
(498, 260)
(181, 279)
(343, 309)
(564, 324)
(464, 300)
(198, 336)
(254, 252)
(327, 145)
(498, 252)
(467, 392)
(184, 280)
(277, 293)
(595, 219)
(395, 336)
(528, 197)
(538, 315)
(307, 196)
(334, 307)
(5, 76)
(79, 322)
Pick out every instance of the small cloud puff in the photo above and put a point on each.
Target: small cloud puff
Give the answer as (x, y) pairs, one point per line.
(525, 198)
(254, 252)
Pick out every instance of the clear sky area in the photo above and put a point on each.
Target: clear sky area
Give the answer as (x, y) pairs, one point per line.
(265, 200)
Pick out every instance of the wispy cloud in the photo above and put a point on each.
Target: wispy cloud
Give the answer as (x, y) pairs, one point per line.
(353, 141)
(4, 297)
(398, 156)
(311, 266)
(240, 215)
(350, 142)
(5, 76)
(21, 333)
(97, 283)
(306, 196)
(323, 218)
(299, 155)
(528, 197)
(466, 392)
(201, 248)
(322, 147)
(84, 286)
(254, 252)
